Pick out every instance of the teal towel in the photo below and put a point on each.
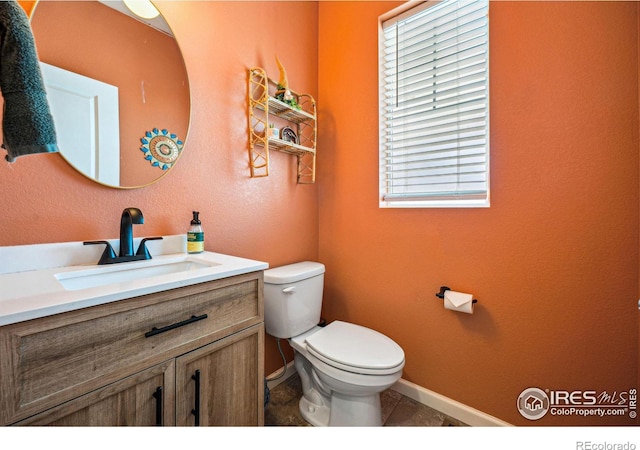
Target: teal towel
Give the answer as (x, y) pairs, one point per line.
(27, 123)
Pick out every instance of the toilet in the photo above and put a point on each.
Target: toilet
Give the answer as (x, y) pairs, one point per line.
(343, 367)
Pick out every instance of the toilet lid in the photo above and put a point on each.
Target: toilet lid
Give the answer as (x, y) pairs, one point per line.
(355, 347)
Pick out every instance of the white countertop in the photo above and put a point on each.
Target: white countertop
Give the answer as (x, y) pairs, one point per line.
(29, 288)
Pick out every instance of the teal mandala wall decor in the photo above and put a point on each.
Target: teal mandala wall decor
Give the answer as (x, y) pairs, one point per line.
(161, 148)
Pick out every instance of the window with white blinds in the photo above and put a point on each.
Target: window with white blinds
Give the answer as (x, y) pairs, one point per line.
(434, 106)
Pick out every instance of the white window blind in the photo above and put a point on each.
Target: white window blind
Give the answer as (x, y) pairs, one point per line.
(434, 106)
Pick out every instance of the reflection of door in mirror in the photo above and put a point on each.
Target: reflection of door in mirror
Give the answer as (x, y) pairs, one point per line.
(87, 124)
(91, 39)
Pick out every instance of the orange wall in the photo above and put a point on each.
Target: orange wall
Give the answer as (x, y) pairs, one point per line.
(28, 6)
(553, 262)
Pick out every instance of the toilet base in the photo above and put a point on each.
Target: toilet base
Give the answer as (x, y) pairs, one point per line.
(318, 416)
(344, 412)
(322, 406)
(355, 411)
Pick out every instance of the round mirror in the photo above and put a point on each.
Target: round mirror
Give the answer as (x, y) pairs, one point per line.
(117, 87)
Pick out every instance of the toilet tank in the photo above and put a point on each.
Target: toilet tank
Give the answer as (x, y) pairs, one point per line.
(292, 298)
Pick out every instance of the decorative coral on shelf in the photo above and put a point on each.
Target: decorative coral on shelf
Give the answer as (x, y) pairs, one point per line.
(283, 93)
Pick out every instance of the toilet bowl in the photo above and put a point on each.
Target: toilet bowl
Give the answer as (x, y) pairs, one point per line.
(343, 367)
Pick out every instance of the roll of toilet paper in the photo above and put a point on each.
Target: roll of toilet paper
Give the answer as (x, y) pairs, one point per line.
(458, 301)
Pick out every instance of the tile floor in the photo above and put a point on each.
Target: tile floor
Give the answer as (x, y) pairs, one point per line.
(397, 409)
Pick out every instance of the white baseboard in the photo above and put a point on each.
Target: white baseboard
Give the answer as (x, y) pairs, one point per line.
(450, 407)
(289, 372)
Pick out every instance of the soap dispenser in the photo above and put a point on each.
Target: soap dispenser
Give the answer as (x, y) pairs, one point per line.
(195, 235)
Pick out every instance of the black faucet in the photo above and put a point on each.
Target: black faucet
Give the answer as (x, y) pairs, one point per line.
(130, 217)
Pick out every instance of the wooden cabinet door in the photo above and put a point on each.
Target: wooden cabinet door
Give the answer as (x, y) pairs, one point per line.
(222, 383)
(143, 399)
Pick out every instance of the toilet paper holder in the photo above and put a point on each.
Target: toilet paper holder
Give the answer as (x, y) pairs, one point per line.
(446, 288)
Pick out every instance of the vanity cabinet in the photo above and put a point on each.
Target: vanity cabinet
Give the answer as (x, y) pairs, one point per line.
(214, 385)
(143, 399)
(264, 107)
(134, 362)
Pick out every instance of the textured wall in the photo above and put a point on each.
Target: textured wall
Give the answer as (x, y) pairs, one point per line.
(553, 262)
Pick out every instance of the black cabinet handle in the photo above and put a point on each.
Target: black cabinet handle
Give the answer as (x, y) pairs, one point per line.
(196, 410)
(158, 396)
(156, 330)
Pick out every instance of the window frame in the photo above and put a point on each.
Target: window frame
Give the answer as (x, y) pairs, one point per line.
(425, 200)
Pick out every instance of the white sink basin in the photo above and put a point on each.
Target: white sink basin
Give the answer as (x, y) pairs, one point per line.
(44, 279)
(131, 271)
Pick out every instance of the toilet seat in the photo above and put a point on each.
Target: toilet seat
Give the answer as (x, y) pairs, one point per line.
(356, 349)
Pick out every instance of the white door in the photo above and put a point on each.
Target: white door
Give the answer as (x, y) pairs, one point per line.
(86, 117)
